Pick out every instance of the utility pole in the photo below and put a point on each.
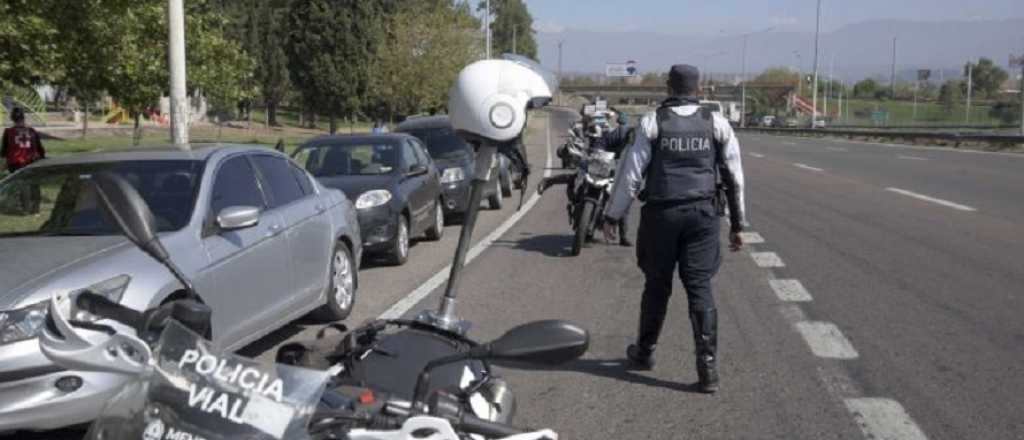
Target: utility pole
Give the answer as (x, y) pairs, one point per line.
(560, 43)
(514, 29)
(970, 87)
(828, 87)
(743, 77)
(178, 98)
(799, 73)
(487, 27)
(892, 77)
(817, 37)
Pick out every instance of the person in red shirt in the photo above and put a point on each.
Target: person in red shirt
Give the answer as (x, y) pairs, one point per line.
(21, 144)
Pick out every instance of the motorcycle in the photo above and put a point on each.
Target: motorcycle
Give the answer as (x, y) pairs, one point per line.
(572, 149)
(591, 188)
(182, 387)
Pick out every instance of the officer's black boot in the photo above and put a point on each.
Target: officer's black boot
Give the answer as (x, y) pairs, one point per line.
(652, 317)
(705, 336)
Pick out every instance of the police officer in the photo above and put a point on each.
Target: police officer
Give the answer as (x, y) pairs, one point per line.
(682, 150)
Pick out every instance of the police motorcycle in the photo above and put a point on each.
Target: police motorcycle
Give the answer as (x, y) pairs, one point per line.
(590, 190)
(183, 388)
(573, 148)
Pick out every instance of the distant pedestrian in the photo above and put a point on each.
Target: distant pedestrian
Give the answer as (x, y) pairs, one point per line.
(21, 143)
(379, 127)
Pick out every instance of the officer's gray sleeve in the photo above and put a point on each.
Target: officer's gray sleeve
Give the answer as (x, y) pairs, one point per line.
(629, 177)
(732, 173)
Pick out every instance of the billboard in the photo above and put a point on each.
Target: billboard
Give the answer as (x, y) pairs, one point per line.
(621, 70)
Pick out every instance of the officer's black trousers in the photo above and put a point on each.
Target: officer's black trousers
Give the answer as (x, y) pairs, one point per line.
(671, 236)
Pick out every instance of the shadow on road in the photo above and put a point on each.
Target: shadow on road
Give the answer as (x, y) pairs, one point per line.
(616, 369)
(552, 245)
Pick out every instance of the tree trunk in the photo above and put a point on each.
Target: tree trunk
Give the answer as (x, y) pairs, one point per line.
(137, 131)
(272, 113)
(85, 119)
(333, 123)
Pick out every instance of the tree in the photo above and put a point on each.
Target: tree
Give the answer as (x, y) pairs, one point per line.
(951, 94)
(867, 88)
(330, 45)
(428, 43)
(1006, 111)
(986, 77)
(27, 40)
(770, 100)
(512, 19)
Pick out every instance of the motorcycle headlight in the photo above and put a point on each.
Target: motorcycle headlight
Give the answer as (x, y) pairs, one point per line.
(112, 289)
(599, 168)
(373, 199)
(22, 324)
(452, 175)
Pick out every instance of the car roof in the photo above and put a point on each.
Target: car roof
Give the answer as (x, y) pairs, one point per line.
(200, 152)
(356, 138)
(424, 122)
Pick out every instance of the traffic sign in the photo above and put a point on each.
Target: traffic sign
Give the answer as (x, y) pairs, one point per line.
(621, 70)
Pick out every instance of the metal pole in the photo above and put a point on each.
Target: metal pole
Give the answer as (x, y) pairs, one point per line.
(1022, 95)
(892, 77)
(817, 36)
(828, 87)
(178, 98)
(743, 102)
(917, 86)
(487, 28)
(970, 86)
(560, 79)
(514, 29)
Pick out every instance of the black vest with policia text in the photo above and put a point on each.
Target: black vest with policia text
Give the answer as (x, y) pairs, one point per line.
(683, 157)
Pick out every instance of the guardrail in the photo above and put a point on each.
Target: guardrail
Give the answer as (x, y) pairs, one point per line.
(951, 139)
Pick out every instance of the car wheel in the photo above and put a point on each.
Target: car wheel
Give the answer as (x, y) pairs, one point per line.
(437, 230)
(399, 253)
(341, 287)
(494, 200)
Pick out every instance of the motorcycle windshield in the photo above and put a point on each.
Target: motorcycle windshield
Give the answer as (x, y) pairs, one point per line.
(191, 392)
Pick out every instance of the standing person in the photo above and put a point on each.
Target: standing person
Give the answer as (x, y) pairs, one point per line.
(680, 148)
(616, 141)
(21, 144)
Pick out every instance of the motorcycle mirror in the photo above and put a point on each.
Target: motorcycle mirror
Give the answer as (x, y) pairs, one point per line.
(550, 342)
(123, 204)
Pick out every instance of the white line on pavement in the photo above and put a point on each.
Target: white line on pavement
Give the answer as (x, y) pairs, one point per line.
(751, 237)
(790, 290)
(912, 158)
(410, 300)
(791, 144)
(826, 340)
(945, 203)
(808, 167)
(884, 419)
(757, 155)
(767, 259)
(836, 149)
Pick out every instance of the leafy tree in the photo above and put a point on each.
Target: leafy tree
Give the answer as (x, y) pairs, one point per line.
(986, 77)
(1006, 111)
(769, 100)
(867, 88)
(951, 94)
(428, 43)
(27, 39)
(511, 18)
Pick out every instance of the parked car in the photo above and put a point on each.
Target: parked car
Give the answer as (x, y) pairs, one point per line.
(820, 123)
(392, 181)
(263, 243)
(455, 163)
(767, 120)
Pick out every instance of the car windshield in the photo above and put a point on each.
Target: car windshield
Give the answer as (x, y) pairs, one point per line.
(441, 142)
(349, 159)
(54, 200)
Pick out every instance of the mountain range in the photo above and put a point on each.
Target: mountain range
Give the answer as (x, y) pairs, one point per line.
(853, 51)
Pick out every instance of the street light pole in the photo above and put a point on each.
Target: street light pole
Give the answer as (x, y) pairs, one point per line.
(560, 79)
(514, 29)
(970, 87)
(817, 36)
(487, 27)
(176, 59)
(743, 77)
(892, 76)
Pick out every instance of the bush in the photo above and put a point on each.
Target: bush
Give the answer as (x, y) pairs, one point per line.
(1007, 112)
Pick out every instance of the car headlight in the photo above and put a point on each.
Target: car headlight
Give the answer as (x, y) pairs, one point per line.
(111, 289)
(502, 115)
(452, 175)
(373, 199)
(22, 324)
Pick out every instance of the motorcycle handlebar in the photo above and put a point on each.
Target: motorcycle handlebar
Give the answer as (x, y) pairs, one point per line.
(104, 308)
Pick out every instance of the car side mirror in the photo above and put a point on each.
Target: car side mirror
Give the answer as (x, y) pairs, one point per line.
(417, 170)
(238, 217)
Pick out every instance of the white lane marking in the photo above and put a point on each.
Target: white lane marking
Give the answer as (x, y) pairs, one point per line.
(912, 158)
(808, 167)
(884, 419)
(410, 300)
(791, 144)
(836, 149)
(790, 290)
(945, 203)
(757, 155)
(826, 340)
(751, 237)
(767, 259)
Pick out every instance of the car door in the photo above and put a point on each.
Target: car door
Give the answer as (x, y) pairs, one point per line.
(413, 186)
(248, 267)
(307, 228)
(432, 183)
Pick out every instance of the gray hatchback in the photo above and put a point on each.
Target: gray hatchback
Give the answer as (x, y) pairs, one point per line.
(263, 242)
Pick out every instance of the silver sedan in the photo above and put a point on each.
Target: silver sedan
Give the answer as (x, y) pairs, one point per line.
(263, 242)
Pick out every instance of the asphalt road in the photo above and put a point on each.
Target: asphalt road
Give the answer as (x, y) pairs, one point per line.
(880, 297)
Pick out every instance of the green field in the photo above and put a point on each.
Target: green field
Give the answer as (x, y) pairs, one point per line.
(902, 113)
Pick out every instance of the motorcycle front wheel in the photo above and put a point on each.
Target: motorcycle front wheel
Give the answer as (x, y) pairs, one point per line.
(584, 215)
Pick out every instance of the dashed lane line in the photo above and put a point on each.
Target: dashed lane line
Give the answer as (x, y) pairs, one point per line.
(808, 167)
(912, 158)
(410, 300)
(884, 419)
(767, 259)
(757, 155)
(826, 341)
(790, 290)
(840, 149)
(751, 238)
(791, 144)
(937, 201)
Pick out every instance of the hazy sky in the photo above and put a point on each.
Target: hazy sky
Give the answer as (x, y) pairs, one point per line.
(713, 17)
